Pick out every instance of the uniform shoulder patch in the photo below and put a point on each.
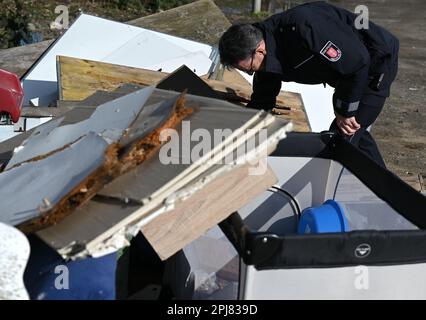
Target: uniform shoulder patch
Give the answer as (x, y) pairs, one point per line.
(331, 52)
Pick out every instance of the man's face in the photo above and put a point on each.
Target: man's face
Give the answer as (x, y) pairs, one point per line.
(253, 63)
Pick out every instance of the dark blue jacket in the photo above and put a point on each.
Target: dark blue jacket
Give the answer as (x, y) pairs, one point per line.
(318, 43)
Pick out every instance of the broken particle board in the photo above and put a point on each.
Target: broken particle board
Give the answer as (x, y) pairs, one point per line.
(73, 112)
(206, 117)
(34, 188)
(92, 228)
(110, 121)
(124, 196)
(78, 160)
(170, 232)
(119, 158)
(79, 78)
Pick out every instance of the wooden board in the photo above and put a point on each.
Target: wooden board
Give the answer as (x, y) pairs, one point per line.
(18, 60)
(289, 104)
(170, 231)
(80, 78)
(232, 76)
(200, 21)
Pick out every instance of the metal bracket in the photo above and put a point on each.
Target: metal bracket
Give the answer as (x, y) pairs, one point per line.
(260, 246)
(252, 246)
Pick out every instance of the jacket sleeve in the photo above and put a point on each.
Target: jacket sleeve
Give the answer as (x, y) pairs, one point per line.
(337, 45)
(266, 87)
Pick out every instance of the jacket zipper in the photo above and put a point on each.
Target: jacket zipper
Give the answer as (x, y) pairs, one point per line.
(303, 62)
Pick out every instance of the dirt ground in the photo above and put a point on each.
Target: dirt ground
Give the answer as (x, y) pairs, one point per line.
(400, 130)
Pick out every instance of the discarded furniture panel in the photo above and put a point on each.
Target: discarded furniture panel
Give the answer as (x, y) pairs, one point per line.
(109, 120)
(118, 160)
(143, 190)
(35, 187)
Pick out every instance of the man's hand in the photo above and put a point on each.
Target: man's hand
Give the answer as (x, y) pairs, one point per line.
(347, 126)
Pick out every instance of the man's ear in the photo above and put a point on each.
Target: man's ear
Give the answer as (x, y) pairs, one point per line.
(261, 48)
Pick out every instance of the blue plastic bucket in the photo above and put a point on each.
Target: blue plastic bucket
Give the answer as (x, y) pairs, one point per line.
(329, 217)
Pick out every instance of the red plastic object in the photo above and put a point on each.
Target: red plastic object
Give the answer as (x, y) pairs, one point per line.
(11, 94)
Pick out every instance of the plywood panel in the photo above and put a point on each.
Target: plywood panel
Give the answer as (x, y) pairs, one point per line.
(80, 78)
(191, 218)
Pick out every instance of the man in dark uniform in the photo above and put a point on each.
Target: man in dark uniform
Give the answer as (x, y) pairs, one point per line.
(319, 43)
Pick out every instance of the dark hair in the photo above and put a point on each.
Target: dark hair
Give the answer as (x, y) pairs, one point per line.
(238, 43)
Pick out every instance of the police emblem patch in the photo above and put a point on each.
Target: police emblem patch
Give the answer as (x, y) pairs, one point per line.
(331, 52)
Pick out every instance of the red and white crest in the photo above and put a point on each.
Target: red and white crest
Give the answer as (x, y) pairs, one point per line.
(331, 52)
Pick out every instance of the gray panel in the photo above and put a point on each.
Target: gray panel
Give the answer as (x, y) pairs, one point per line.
(90, 228)
(71, 116)
(76, 230)
(152, 174)
(42, 131)
(35, 187)
(109, 120)
(150, 118)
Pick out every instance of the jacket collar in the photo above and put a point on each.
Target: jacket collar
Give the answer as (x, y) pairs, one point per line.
(272, 63)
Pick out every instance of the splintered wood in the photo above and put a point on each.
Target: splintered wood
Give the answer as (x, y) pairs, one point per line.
(116, 163)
